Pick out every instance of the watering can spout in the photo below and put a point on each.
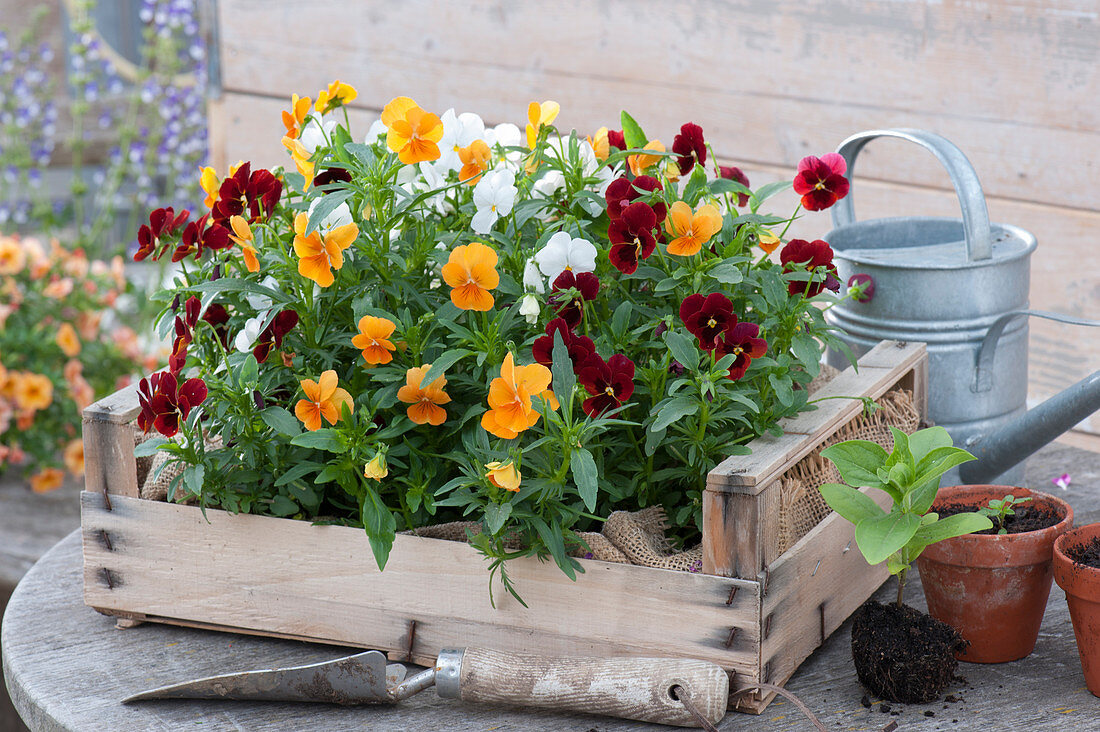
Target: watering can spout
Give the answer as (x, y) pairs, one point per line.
(1014, 442)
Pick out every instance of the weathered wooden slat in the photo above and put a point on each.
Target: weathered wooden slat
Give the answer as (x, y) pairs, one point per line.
(108, 434)
(969, 53)
(293, 579)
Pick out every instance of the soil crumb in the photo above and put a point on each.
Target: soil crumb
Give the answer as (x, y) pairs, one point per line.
(902, 654)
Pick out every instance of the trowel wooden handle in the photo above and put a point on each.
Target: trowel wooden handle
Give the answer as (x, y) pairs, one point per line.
(629, 688)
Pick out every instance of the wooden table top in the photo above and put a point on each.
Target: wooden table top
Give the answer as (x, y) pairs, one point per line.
(67, 667)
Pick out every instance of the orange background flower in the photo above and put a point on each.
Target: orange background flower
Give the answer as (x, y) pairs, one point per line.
(373, 339)
(74, 457)
(242, 234)
(425, 402)
(68, 340)
(47, 479)
(324, 399)
(510, 410)
(31, 391)
(471, 272)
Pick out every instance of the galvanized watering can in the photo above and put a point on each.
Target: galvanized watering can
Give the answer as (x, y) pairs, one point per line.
(961, 286)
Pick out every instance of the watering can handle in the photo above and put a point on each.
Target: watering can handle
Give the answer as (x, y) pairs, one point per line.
(983, 375)
(975, 215)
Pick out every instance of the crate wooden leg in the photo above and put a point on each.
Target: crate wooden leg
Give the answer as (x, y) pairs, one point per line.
(740, 531)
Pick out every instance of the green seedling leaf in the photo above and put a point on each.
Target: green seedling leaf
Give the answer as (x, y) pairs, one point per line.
(380, 525)
(283, 506)
(858, 462)
(938, 461)
(925, 441)
(850, 503)
(880, 537)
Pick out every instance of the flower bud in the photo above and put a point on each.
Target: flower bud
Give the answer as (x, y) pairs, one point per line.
(861, 287)
(258, 398)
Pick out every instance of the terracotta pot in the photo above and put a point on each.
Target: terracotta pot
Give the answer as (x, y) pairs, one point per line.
(1082, 586)
(993, 588)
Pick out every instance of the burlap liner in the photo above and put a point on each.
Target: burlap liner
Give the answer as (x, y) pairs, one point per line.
(638, 537)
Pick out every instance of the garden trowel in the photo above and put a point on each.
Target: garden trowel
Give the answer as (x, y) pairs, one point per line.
(644, 689)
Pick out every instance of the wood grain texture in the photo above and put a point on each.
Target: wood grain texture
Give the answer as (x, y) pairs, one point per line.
(320, 582)
(627, 688)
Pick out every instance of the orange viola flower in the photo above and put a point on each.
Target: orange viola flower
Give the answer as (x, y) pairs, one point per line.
(47, 479)
(373, 339)
(510, 409)
(317, 257)
(74, 457)
(539, 115)
(242, 234)
(424, 401)
(601, 146)
(413, 133)
(768, 241)
(296, 117)
(504, 475)
(324, 398)
(475, 161)
(471, 272)
(691, 230)
(640, 162)
(12, 256)
(301, 157)
(337, 95)
(31, 391)
(68, 340)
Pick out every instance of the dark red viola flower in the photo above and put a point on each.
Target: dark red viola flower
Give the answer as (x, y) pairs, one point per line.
(200, 235)
(706, 317)
(740, 339)
(821, 181)
(164, 403)
(252, 194)
(191, 311)
(571, 291)
(178, 356)
(690, 146)
(865, 287)
(163, 223)
(218, 316)
(816, 256)
(632, 237)
(331, 175)
(609, 382)
(623, 191)
(272, 335)
(580, 347)
(732, 172)
(616, 139)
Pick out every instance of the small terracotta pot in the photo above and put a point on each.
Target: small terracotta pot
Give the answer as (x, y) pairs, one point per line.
(992, 588)
(1082, 586)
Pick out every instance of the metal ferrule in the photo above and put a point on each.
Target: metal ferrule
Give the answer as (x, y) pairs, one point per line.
(448, 670)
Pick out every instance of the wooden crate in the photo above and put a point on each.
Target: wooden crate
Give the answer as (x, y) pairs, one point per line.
(754, 612)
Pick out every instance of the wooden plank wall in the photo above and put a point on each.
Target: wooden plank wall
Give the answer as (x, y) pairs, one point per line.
(1013, 83)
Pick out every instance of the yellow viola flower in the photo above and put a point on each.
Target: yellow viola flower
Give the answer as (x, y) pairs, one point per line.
(510, 409)
(324, 398)
(337, 95)
(377, 467)
(504, 475)
(301, 158)
(413, 133)
(425, 401)
(600, 144)
(539, 115)
(691, 230)
(317, 257)
(68, 340)
(471, 272)
(296, 117)
(768, 241)
(242, 234)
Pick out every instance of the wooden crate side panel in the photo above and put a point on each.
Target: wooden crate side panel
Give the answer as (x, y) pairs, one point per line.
(108, 435)
(288, 577)
(811, 590)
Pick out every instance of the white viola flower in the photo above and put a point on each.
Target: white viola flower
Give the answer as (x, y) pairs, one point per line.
(532, 278)
(316, 134)
(250, 333)
(529, 309)
(458, 132)
(505, 135)
(550, 183)
(260, 303)
(416, 179)
(377, 129)
(494, 196)
(340, 216)
(574, 151)
(563, 252)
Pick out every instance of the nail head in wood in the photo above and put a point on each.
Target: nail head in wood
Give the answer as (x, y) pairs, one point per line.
(106, 540)
(411, 640)
(107, 498)
(730, 637)
(733, 594)
(107, 577)
(768, 625)
(821, 612)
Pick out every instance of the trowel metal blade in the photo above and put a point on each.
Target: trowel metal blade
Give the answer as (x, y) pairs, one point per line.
(360, 679)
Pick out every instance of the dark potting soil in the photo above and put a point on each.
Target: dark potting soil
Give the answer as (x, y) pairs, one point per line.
(1087, 553)
(1027, 517)
(903, 655)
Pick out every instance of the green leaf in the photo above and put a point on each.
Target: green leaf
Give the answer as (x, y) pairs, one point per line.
(925, 441)
(880, 537)
(249, 372)
(808, 351)
(585, 475)
(379, 523)
(322, 439)
(858, 462)
(193, 477)
(850, 503)
(281, 421)
(668, 283)
(283, 506)
(495, 516)
(632, 132)
(727, 274)
(673, 410)
(552, 538)
(150, 446)
(444, 362)
(683, 349)
(229, 284)
(653, 439)
(621, 319)
(938, 461)
(328, 203)
(767, 191)
(563, 380)
(950, 527)
(297, 472)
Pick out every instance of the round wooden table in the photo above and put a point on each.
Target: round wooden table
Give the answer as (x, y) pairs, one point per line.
(66, 667)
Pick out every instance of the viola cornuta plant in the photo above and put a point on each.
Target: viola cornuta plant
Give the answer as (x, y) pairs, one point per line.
(440, 320)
